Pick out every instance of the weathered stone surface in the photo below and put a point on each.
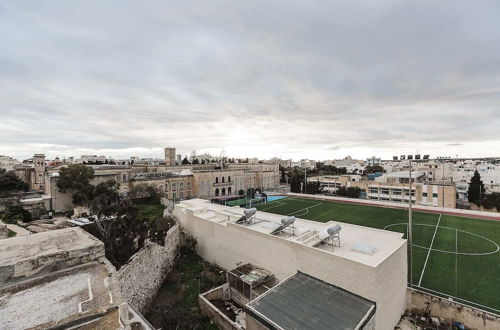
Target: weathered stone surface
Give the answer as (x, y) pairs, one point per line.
(23, 257)
(143, 275)
(421, 302)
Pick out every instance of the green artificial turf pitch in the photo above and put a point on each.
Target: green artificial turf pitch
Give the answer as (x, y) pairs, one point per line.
(472, 275)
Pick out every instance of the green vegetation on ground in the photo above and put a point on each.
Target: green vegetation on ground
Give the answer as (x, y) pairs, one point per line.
(176, 304)
(472, 274)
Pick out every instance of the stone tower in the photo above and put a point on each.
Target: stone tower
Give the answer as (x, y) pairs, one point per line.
(38, 182)
(169, 156)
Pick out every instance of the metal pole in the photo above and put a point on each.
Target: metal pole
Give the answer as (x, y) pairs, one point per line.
(410, 235)
(456, 262)
(305, 179)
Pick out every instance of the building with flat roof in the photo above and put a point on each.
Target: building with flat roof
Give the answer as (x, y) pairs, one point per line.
(65, 268)
(307, 303)
(367, 262)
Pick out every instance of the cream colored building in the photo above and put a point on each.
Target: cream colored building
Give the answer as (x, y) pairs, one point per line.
(369, 262)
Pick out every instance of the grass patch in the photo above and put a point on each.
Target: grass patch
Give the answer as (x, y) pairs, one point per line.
(469, 277)
(11, 233)
(176, 304)
(150, 211)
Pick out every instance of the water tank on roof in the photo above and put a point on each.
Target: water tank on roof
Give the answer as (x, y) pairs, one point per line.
(250, 212)
(334, 230)
(286, 221)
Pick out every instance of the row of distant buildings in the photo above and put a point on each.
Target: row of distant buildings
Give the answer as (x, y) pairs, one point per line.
(171, 180)
(439, 182)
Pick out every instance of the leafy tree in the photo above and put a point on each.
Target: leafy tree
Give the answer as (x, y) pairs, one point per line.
(341, 191)
(10, 183)
(241, 192)
(314, 188)
(492, 201)
(476, 189)
(76, 178)
(196, 161)
(185, 161)
(15, 213)
(126, 232)
(351, 192)
(373, 169)
(296, 179)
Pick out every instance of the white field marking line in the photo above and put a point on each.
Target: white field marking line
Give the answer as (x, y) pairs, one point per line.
(91, 296)
(429, 252)
(453, 252)
(270, 207)
(304, 209)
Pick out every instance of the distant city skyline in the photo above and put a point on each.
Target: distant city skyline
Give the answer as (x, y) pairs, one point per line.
(263, 79)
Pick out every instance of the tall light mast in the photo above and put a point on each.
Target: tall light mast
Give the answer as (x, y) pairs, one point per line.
(410, 234)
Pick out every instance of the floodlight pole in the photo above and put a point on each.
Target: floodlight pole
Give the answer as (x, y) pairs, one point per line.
(410, 234)
(305, 179)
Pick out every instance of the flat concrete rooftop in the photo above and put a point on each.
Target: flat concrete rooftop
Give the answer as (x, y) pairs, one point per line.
(59, 298)
(354, 239)
(46, 243)
(27, 256)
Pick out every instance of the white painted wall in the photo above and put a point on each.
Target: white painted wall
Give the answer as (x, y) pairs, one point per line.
(228, 245)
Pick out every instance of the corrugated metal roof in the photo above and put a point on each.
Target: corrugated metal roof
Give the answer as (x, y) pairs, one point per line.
(305, 302)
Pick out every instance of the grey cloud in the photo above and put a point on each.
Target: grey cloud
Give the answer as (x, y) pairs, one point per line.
(283, 75)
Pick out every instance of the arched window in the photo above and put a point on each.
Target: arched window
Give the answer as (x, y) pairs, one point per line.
(229, 179)
(216, 179)
(223, 191)
(229, 191)
(124, 177)
(217, 192)
(222, 179)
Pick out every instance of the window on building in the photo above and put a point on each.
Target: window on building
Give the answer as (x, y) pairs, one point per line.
(424, 194)
(216, 179)
(434, 195)
(223, 179)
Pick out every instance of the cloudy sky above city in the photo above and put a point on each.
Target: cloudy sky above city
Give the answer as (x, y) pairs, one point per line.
(293, 79)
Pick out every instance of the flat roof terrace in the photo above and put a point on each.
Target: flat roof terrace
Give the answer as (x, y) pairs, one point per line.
(41, 253)
(365, 245)
(305, 302)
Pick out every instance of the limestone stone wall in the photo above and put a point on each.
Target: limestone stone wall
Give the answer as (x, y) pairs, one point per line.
(143, 275)
(227, 244)
(421, 302)
(222, 321)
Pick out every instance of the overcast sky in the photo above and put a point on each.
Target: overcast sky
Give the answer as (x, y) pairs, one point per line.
(293, 79)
